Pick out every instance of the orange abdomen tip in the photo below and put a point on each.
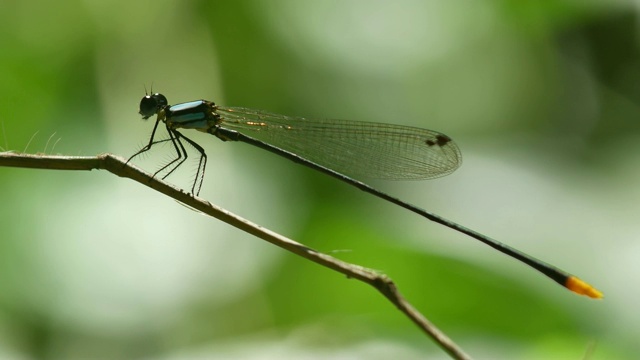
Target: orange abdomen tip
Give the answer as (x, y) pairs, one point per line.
(580, 287)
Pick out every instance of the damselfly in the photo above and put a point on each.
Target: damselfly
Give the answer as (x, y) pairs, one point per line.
(333, 147)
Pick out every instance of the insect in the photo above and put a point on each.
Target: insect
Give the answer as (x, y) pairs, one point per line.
(338, 148)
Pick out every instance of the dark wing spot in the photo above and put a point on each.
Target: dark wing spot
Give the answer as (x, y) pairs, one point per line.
(441, 140)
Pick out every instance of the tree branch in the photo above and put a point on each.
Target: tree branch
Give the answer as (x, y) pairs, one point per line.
(117, 166)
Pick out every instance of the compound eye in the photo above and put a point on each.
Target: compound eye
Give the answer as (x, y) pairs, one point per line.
(161, 99)
(151, 104)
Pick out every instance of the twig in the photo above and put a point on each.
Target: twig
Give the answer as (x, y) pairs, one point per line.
(117, 166)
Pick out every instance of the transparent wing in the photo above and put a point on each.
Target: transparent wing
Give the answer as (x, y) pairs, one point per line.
(374, 150)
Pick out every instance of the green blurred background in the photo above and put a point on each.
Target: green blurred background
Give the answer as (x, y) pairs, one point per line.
(542, 98)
